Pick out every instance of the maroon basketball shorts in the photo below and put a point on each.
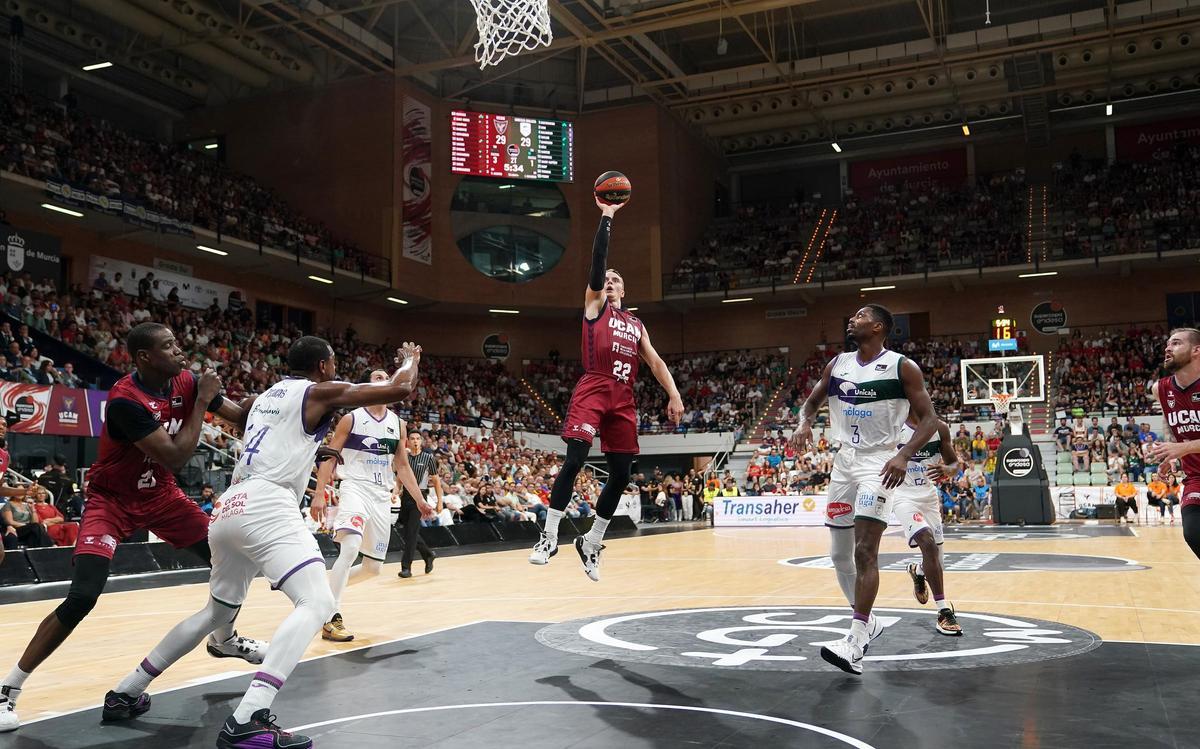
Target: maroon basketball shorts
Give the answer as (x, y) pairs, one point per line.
(107, 520)
(602, 405)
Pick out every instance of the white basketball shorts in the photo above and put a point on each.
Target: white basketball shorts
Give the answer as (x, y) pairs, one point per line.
(917, 509)
(257, 527)
(855, 487)
(365, 508)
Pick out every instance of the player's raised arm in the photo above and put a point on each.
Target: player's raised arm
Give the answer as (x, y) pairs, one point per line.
(802, 434)
(663, 375)
(235, 413)
(324, 397)
(133, 422)
(593, 298)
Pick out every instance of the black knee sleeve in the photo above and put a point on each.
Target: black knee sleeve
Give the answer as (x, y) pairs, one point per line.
(619, 467)
(1191, 527)
(91, 575)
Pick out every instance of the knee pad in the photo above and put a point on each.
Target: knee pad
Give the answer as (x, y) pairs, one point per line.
(91, 573)
(349, 542)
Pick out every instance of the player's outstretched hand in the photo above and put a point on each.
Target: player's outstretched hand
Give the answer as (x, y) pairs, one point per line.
(209, 387)
(675, 410)
(409, 351)
(317, 508)
(608, 209)
(1167, 451)
(893, 471)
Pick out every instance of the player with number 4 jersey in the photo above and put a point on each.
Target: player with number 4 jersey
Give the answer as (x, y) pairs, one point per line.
(603, 403)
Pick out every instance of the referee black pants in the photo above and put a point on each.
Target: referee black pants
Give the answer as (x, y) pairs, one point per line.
(409, 524)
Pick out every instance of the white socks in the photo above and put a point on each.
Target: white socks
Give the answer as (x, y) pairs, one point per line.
(552, 518)
(138, 681)
(596, 534)
(13, 683)
(261, 693)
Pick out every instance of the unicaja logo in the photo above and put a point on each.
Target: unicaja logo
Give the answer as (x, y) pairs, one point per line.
(16, 252)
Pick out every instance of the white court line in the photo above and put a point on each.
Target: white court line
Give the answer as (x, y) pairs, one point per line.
(232, 674)
(848, 740)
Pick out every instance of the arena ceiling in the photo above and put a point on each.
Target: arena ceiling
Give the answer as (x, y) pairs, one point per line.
(748, 74)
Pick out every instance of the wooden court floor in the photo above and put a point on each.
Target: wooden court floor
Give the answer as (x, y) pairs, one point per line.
(700, 568)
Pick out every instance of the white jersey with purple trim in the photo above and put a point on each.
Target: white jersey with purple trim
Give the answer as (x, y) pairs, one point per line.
(370, 448)
(278, 448)
(867, 402)
(916, 478)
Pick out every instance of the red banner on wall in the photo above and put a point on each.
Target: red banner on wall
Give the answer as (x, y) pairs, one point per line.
(947, 168)
(39, 409)
(1154, 140)
(68, 414)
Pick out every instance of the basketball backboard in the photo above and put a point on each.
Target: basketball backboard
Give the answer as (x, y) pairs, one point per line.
(1023, 378)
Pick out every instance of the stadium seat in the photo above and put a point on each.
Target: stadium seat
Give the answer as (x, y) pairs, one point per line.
(1081, 478)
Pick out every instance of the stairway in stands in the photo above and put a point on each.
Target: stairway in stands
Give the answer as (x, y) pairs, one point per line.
(816, 246)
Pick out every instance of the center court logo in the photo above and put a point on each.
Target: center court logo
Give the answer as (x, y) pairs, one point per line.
(989, 562)
(788, 638)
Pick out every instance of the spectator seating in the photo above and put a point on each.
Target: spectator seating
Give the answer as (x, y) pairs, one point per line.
(57, 141)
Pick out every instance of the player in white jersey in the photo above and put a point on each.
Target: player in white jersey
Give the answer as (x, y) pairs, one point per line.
(871, 392)
(257, 527)
(918, 510)
(374, 463)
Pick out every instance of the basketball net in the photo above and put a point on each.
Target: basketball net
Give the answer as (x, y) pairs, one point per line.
(1000, 403)
(510, 27)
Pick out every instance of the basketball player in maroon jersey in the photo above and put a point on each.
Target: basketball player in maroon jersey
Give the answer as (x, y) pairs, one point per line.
(603, 402)
(151, 428)
(1179, 394)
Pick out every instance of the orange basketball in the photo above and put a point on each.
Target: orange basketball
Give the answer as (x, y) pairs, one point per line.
(613, 188)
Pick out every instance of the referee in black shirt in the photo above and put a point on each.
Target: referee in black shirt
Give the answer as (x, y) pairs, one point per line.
(425, 467)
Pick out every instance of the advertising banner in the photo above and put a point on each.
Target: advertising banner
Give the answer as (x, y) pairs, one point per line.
(193, 292)
(947, 168)
(769, 511)
(1154, 140)
(39, 255)
(416, 146)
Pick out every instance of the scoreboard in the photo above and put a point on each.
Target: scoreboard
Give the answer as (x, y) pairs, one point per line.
(1004, 333)
(497, 145)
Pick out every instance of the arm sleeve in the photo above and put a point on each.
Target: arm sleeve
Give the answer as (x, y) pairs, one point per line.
(215, 403)
(129, 421)
(600, 254)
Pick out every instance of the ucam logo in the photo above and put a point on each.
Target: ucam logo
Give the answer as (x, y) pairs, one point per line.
(788, 638)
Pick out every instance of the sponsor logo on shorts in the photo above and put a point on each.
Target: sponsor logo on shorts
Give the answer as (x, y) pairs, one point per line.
(357, 521)
(989, 562)
(106, 541)
(789, 638)
(1192, 495)
(838, 509)
(870, 500)
(586, 428)
(1018, 462)
(918, 517)
(230, 507)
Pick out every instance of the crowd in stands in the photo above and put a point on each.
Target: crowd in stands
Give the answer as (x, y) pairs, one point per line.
(931, 227)
(895, 231)
(56, 141)
(721, 391)
(1107, 371)
(1095, 212)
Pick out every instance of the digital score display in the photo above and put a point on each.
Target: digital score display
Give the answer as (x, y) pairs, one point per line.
(497, 145)
(1004, 333)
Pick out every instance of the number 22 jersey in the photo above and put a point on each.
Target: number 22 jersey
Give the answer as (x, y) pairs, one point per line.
(610, 344)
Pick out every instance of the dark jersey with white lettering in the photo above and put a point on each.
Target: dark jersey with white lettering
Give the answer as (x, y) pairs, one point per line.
(133, 412)
(610, 344)
(1181, 410)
